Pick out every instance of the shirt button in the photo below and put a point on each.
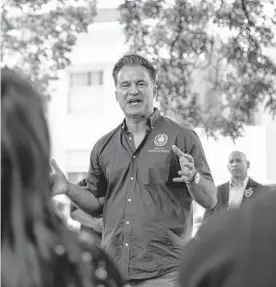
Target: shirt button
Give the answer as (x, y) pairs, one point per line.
(130, 138)
(134, 156)
(131, 178)
(129, 200)
(126, 244)
(127, 222)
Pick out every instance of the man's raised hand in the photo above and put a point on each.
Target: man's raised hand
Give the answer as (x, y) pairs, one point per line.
(187, 166)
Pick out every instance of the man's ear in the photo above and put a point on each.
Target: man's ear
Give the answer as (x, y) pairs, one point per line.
(248, 164)
(116, 95)
(228, 167)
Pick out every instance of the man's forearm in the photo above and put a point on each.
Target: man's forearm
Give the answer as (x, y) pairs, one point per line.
(204, 193)
(83, 199)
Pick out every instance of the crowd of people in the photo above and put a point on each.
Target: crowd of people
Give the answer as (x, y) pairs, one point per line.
(137, 197)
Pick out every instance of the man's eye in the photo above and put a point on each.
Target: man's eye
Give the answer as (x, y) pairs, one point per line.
(125, 85)
(141, 84)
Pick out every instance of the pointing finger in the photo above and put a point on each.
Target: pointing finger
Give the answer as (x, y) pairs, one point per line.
(55, 166)
(177, 151)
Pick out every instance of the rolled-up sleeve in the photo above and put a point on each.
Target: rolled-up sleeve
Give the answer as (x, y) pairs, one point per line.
(96, 181)
(195, 149)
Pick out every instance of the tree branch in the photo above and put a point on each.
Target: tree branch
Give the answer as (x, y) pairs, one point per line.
(246, 13)
(4, 18)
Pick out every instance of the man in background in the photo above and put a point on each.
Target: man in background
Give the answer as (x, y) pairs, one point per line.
(239, 188)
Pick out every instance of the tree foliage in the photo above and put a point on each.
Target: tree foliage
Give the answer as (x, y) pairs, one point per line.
(38, 36)
(213, 45)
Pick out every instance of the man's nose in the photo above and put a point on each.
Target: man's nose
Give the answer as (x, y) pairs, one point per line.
(133, 89)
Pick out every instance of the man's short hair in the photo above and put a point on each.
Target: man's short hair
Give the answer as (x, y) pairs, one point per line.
(239, 152)
(133, 60)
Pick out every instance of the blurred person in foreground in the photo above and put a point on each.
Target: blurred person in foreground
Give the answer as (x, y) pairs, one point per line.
(148, 170)
(234, 248)
(239, 188)
(37, 249)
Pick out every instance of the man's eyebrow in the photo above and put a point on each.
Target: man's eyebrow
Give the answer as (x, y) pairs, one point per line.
(124, 82)
(128, 81)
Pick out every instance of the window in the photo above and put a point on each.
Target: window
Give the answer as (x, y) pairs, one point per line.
(95, 78)
(78, 79)
(86, 92)
(90, 78)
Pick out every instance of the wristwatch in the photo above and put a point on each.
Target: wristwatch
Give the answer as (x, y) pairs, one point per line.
(195, 179)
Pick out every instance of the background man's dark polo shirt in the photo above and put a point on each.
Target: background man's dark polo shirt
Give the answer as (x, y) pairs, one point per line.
(147, 216)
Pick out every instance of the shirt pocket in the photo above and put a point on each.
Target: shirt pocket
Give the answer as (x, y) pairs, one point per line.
(154, 167)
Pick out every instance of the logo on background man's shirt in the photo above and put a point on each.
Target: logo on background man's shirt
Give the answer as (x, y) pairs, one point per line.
(248, 192)
(160, 139)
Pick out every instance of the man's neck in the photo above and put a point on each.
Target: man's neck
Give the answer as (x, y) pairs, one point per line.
(136, 125)
(238, 181)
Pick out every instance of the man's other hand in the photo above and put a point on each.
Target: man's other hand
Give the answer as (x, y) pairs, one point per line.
(60, 184)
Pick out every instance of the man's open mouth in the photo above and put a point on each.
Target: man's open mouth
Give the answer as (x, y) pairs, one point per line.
(134, 101)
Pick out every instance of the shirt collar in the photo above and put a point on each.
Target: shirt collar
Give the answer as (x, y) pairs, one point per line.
(244, 182)
(152, 120)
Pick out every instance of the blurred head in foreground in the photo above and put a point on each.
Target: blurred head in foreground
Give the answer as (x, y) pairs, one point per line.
(234, 248)
(37, 249)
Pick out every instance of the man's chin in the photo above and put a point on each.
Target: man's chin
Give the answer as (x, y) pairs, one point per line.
(137, 112)
(237, 174)
(134, 113)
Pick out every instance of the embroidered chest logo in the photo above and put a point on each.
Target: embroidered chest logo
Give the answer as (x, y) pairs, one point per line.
(160, 139)
(248, 192)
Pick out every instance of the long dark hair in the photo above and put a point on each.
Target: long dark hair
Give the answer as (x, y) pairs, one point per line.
(37, 249)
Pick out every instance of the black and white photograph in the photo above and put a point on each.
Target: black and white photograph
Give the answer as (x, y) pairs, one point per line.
(138, 143)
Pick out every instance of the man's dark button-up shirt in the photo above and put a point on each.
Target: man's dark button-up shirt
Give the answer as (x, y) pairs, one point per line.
(147, 217)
